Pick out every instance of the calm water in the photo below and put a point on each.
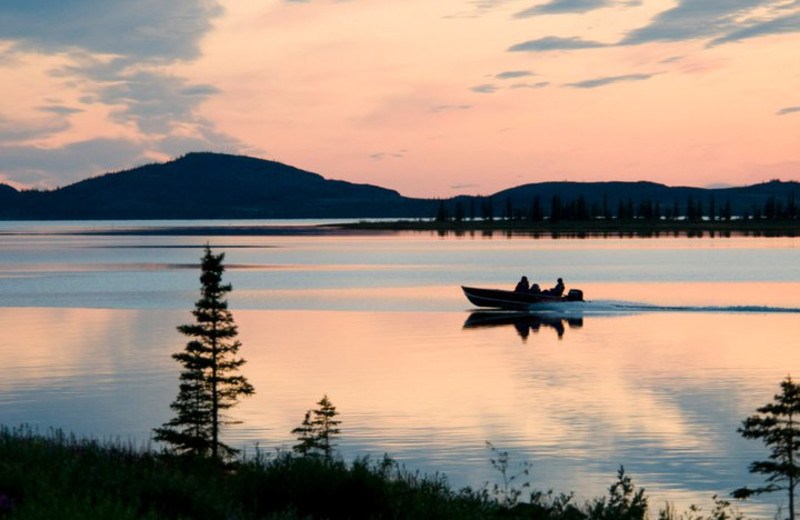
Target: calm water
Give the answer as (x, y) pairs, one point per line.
(683, 339)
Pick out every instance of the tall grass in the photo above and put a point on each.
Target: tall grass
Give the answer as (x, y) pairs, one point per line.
(58, 476)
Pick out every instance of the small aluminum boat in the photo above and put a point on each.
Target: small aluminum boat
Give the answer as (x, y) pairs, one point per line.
(515, 300)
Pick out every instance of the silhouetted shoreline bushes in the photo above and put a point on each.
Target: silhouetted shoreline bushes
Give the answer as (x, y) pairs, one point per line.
(62, 476)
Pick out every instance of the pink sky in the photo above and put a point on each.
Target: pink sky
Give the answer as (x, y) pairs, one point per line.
(428, 98)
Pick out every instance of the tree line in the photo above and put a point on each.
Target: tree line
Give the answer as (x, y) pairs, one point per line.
(556, 209)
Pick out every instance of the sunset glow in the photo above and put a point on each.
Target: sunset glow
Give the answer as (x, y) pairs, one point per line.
(428, 98)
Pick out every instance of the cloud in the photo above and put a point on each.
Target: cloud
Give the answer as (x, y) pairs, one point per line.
(380, 156)
(146, 29)
(564, 6)
(555, 43)
(600, 82)
(540, 84)
(785, 24)
(486, 88)
(728, 21)
(40, 167)
(60, 110)
(479, 8)
(450, 108)
(512, 74)
(788, 110)
(14, 132)
(153, 102)
(117, 54)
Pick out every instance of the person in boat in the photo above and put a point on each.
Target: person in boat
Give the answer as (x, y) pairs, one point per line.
(558, 290)
(535, 289)
(522, 285)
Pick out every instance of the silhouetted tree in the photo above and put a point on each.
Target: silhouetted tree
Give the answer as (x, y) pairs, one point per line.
(726, 210)
(712, 208)
(459, 212)
(209, 383)
(487, 208)
(441, 213)
(537, 214)
(776, 424)
(556, 210)
(317, 431)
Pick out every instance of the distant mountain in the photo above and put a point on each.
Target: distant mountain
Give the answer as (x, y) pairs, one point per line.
(208, 186)
(212, 185)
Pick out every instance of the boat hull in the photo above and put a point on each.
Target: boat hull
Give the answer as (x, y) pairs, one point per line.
(502, 299)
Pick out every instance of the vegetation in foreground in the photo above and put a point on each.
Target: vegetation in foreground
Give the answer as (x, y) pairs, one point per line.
(59, 476)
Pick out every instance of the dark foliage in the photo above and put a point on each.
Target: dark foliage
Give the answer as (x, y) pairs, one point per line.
(777, 425)
(210, 382)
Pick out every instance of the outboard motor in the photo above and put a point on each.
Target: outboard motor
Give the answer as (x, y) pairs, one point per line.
(575, 295)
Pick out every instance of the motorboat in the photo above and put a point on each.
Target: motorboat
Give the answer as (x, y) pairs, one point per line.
(517, 300)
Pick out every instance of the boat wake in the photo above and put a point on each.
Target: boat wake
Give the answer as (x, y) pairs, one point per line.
(616, 306)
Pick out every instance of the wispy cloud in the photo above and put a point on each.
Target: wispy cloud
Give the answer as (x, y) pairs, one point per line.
(601, 82)
(784, 24)
(513, 74)
(722, 22)
(788, 110)
(380, 156)
(15, 132)
(555, 43)
(34, 166)
(564, 6)
(60, 110)
(450, 108)
(540, 84)
(486, 88)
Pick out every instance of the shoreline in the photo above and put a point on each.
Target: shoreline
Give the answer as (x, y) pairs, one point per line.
(590, 229)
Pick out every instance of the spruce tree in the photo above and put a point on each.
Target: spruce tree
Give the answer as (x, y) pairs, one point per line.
(777, 424)
(316, 434)
(210, 382)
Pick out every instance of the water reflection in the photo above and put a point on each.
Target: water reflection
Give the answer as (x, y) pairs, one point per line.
(523, 322)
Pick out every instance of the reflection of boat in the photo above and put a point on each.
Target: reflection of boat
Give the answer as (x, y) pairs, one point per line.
(502, 299)
(523, 322)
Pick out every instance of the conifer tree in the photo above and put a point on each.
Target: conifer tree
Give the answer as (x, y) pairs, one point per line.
(316, 434)
(210, 382)
(777, 424)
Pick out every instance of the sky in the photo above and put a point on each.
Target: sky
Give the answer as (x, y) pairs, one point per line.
(433, 98)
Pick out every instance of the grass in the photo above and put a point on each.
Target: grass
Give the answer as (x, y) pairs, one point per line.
(60, 476)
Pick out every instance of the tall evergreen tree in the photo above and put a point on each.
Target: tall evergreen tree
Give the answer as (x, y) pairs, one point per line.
(209, 383)
(777, 424)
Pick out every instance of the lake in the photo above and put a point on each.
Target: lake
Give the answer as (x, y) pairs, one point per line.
(682, 339)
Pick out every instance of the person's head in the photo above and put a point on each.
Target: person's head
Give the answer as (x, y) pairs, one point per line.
(524, 279)
(560, 280)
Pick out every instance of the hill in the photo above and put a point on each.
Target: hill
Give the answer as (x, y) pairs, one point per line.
(216, 186)
(208, 186)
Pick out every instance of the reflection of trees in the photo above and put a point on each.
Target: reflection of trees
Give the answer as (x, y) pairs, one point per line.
(523, 322)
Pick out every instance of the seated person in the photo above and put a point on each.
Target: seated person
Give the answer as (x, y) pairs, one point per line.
(522, 285)
(558, 290)
(535, 289)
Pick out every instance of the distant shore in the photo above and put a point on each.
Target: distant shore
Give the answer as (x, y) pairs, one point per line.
(592, 228)
(545, 228)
